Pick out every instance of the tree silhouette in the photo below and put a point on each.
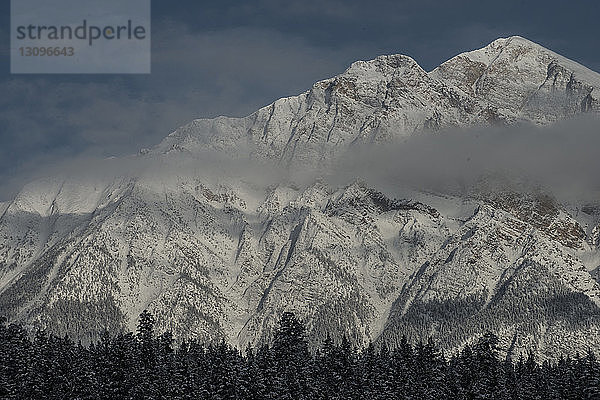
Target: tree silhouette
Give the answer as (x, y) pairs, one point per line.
(291, 356)
(146, 365)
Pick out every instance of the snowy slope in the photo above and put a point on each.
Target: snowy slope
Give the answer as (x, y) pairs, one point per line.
(518, 79)
(509, 80)
(220, 255)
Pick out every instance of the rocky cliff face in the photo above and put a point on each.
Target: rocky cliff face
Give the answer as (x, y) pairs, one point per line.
(510, 80)
(223, 258)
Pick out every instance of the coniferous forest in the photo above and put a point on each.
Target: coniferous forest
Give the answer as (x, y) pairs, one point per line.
(146, 366)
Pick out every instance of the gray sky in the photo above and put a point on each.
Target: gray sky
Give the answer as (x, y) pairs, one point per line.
(230, 58)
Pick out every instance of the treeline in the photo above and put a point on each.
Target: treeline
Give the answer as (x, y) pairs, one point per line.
(146, 366)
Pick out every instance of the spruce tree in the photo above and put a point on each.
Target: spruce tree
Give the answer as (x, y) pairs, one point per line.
(292, 359)
(147, 386)
(487, 384)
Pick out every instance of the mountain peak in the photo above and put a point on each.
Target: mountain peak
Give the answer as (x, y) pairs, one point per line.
(384, 64)
(523, 80)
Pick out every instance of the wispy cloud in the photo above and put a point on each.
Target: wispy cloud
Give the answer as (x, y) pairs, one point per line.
(561, 159)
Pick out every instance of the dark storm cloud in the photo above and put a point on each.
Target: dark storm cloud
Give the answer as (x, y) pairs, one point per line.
(224, 57)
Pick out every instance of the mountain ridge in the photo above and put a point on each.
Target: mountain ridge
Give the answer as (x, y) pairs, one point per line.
(218, 256)
(369, 86)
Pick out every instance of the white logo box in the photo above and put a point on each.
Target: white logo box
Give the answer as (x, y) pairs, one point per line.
(80, 36)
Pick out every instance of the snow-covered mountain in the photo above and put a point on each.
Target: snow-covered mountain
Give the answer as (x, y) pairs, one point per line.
(217, 255)
(508, 81)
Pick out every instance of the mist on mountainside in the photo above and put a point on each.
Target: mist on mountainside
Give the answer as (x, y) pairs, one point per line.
(561, 160)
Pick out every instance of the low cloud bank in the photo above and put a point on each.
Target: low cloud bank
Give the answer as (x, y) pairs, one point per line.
(563, 159)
